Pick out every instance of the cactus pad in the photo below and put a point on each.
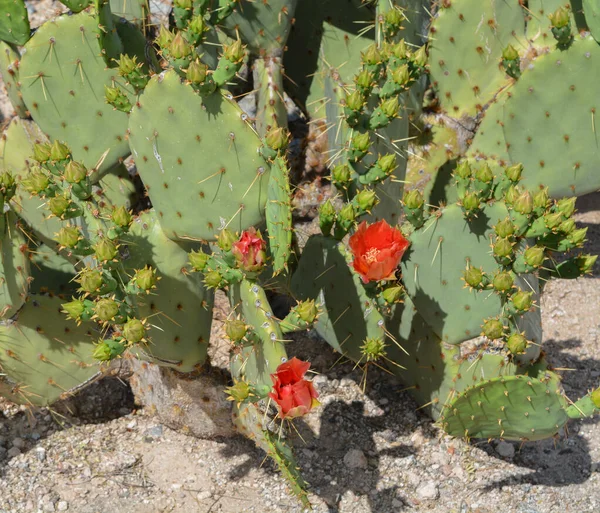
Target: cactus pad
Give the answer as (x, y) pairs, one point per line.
(14, 267)
(591, 9)
(279, 215)
(14, 22)
(198, 159)
(9, 71)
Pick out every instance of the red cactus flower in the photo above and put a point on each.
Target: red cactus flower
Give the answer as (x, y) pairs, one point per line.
(294, 395)
(377, 250)
(249, 250)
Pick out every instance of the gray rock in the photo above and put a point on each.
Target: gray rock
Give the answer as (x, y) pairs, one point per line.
(18, 442)
(13, 452)
(505, 449)
(428, 491)
(355, 458)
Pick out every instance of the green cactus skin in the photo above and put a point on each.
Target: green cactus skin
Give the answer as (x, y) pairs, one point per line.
(51, 273)
(349, 316)
(279, 215)
(9, 71)
(76, 5)
(65, 90)
(271, 111)
(180, 308)
(116, 188)
(583, 408)
(466, 43)
(561, 118)
(14, 22)
(14, 267)
(56, 358)
(134, 11)
(591, 9)
(511, 407)
(538, 24)
(264, 26)
(198, 159)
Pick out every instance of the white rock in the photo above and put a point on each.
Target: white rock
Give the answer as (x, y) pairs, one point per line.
(62, 506)
(202, 496)
(428, 491)
(355, 458)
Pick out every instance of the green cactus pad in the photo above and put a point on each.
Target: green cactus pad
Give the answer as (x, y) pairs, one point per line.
(198, 159)
(180, 308)
(9, 72)
(591, 9)
(489, 141)
(64, 90)
(279, 215)
(511, 407)
(553, 130)
(14, 267)
(349, 316)
(117, 188)
(433, 371)
(134, 11)
(538, 24)
(76, 5)
(583, 408)
(263, 26)
(43, 356)
(14, 22)
(466, 43)
(51, 273)
(433, 267)
(270, 109)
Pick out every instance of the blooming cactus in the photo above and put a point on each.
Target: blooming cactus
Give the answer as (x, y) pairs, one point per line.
(294, 395)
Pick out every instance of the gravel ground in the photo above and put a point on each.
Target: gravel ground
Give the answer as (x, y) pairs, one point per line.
(371, 452)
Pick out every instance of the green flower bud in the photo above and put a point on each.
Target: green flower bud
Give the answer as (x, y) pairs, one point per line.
(347, 213)
(127, 65)
(463, 170)
(513, 173)
(145, 278)
(413, 199)
(239, 392)
(516, 343)
(522, 301)
(307, 311)
(535, 256)
(394, 18)
(400, 50)
(524, 203)
(372, 56)
(68, 236)
(540, 199)
(59, 151)
(277, 138)
(390, 106)
(504, 228)
(567, 226)
(364, 80)
(511, 195)
(484, 174)
(183, 4)
(366, 199)
(36, 183)
(105, 250)
(373, 349)
(577, 237)
(361, 142)
(553, 220)
(226, 239)
(117, 98)
(387, 163)
(58, 205)
(74, 309)
(234, 52)
(503, 247)
(75, 172)
(559, 18)
(213, 279)
(474, 277)
(198, 260)
(595, 396)
(91, 280)
(197, 25)
(503, 281)
(165, 37)
(420, 57)
(326, 217)
(41, 152)
(355, 101)
(342, 174)
(121, 217)
(179, 47)
(510, 54)
(393, 294)
(566, 206)
(401, 75)
(108, 350)
(196, 72)
(493, 329)
(586, 263)
(235, 329)
(106, 309)
(470, 202)
(134, 331)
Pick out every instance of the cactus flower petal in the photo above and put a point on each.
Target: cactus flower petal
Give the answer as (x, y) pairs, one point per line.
(294, 395)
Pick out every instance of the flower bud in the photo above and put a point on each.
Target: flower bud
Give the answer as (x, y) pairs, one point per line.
(121, 217)
(540, 200)
(401, 75)
(493, 329)
(470, 202)
(553, 220)
(393, 294)
(234, 52)
(566, 206)
(179, 47)
(366, 199)
(516, 343)
(183, 4)
(503, 249)
(74, 309)
(145, 278)
(511, 195)
(420, 57)
(372, 56)
(41, 152)
(413, 199)
(503, 281)
(307, 311)
(213, 279)
(522, 301)
(474, 277)
(400, 50)
(134, 331)
(106, 309)
(36, 183)
(387, 163)
(58, 205)
(347, 214)
(326, 217)
(91, 280)
(559, 18)
(105, 250)
(390, 107)
(75, 172)
(342, 174)
(361, 142)
(198, 260)
(373, 349)
(197, 25)
(567, 226)
(68, 236)
(277, 138)
(165, 37)
(196, 72)
(510, 54)
(364, 80)
(108, 350)
(504, 228)
(394, 18)
(524, 203)
(484, 174)
(249, 251)
(577, 237)
(239, 392)
(226, 239)
(355, 101)
(235, 329)
(463, 170)
(513, 173)
(117, 98)
(586, 263)
(59, 151)
(595, 396)
(534, 256)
